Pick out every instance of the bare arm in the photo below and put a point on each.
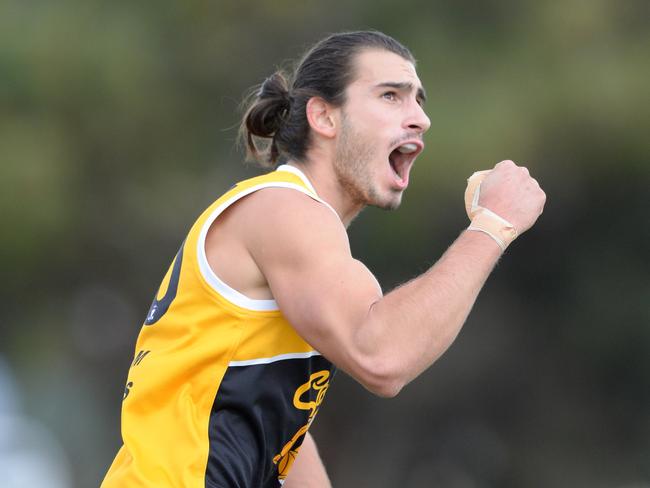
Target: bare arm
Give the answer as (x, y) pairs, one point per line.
(434, 305)
(384, 342)
(335, 303)
(307, 470)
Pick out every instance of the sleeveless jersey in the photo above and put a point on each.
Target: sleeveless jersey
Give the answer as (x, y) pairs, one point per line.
(222, 389)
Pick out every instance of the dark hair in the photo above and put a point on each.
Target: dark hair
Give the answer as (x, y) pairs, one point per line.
(277, 108)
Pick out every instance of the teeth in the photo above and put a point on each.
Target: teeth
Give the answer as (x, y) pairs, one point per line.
(407, 148)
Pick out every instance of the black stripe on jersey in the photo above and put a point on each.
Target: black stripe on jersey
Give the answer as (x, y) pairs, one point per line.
(254, 417)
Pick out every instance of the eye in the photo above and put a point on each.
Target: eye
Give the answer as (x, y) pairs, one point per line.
(390, 96)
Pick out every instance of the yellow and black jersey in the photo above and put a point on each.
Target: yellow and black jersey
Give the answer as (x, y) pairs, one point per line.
(222, 389)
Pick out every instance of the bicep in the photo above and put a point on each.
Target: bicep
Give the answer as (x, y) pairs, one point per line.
(325, 297)
(321, 289)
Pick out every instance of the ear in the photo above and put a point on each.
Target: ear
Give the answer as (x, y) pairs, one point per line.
(322, 117)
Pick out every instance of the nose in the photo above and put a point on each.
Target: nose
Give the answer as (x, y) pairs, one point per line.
(417, 120)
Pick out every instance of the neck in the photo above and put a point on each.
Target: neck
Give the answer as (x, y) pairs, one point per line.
(328, 187)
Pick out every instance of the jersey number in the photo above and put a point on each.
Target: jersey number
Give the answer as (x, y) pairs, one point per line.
(159, 307)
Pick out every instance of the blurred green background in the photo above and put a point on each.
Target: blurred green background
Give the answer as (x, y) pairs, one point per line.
(117, 128)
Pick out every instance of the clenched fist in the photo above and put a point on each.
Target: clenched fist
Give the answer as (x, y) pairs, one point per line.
(510, 192)
(503, 202)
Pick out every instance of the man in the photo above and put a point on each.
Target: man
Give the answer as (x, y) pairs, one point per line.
(264, 297)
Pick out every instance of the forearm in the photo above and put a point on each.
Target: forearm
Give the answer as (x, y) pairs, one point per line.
(413, 325)
(307, 470)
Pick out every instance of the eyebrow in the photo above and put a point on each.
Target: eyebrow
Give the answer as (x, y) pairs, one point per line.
(404, 86)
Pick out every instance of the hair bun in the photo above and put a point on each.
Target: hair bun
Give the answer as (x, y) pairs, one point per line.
(266, 115)
(271, 107)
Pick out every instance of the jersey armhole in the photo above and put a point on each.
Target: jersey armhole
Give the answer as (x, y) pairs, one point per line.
(211, 278)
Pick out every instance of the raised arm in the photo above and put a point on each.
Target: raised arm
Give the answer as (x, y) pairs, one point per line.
(335, 303)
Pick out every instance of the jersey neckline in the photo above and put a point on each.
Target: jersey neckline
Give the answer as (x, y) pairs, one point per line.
(303, 177)
(299, 174)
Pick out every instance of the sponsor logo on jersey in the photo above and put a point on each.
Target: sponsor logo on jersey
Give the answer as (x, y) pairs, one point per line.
(318, 382)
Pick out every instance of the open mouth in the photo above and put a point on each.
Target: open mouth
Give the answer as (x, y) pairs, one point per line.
(401, 160)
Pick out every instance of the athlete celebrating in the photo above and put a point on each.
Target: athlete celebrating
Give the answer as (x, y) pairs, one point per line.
(264, 299)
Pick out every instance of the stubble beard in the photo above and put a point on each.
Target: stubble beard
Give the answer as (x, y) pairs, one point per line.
(353, 163)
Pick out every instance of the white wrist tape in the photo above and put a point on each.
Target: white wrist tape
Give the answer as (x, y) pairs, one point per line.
(483, 219)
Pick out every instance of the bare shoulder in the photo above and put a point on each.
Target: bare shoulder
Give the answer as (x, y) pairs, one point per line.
(268, 230)
(280, 221)
(301, 247)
